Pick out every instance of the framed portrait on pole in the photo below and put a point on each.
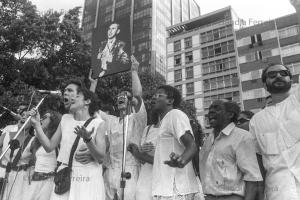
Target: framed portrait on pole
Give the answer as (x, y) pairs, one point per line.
(111, 48)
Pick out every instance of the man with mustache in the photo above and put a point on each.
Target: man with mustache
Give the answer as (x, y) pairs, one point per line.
(276, 133)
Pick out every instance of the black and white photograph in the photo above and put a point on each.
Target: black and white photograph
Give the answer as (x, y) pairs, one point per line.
(149, 100)
(111, 49)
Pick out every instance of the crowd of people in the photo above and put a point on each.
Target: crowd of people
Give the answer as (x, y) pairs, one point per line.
(245, 157)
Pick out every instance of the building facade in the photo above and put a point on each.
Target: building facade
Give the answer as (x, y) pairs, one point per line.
(150, 19)
(202, 60)
(272, 42)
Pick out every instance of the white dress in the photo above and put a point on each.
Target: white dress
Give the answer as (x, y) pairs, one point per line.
(18, 182)
(144, 184)
(86, 180)
(45, 163)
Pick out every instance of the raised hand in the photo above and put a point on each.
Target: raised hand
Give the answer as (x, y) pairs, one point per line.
(35, 117)
(83, 133)
(134, 64)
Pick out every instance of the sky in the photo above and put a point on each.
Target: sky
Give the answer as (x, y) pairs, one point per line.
(252, 11)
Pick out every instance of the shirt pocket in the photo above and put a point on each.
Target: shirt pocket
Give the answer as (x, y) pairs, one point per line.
(269, 143)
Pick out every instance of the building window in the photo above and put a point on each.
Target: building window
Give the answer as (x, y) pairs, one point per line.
(266, 53)
(288, 32)
(216, 34)
(219, 65)
(177, 60)
(250, 57)
(189, 72)
(188, 57)
(218, 49)
(189, 89)
(177, 45)
(291, 50)
(206, 85)
(188, 43)
(177, 75)
(179, 88)
(221, 82)
(191, 102)
(256, 39)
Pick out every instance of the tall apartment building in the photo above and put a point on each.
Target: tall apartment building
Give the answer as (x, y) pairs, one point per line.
(272, 42)
(150, 19)
(202, 59)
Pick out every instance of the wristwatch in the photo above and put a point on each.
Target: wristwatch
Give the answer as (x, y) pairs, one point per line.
(87, 140)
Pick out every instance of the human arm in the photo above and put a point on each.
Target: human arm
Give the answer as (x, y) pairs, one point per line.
(180, 161)
(137, 89)
(48, 144)
(94, 82)
(141, 156)
(247, 163)
(96, 144)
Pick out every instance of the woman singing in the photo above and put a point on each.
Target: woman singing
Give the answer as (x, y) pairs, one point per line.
(86, 179)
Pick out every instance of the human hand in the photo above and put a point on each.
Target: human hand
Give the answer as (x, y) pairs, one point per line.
(35, 117)
(90, 77)
(84, 156)
(83, 133)
(134, 64)
(175, 161)
(147, 147)
(133, 148)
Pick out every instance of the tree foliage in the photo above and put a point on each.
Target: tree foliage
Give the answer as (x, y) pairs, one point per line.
(42, 50)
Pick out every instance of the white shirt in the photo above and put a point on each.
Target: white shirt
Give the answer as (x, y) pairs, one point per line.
(68, 124)
(45, 162)
(277, 136)
(227, 161)
(136, 124)
(173, 126)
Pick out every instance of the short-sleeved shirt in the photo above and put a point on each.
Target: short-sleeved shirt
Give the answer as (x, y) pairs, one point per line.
(173, 126)
(136, 124)
(276, 130)
(227, 161)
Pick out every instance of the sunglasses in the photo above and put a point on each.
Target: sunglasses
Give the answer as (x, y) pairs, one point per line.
(273, 74)
(242, 120)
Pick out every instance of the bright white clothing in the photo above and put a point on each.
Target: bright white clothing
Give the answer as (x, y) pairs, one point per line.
(173, 127)
(144, 184)
(227, 161)
(136, 124)
(113, 177)
(86, 180)
(277, 138)
(18, 182)
(39, 190)
(45, 162)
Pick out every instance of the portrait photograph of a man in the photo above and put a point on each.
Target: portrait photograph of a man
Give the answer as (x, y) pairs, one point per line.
(111, 48)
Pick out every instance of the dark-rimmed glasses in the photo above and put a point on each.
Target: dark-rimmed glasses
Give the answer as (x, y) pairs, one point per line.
(273, 74)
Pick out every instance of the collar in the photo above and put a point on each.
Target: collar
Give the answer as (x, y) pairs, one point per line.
(111, 41)
(228, 129)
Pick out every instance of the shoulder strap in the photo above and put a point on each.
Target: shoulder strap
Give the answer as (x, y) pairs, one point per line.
(19, 154)
(148, 128)
(75, 144)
